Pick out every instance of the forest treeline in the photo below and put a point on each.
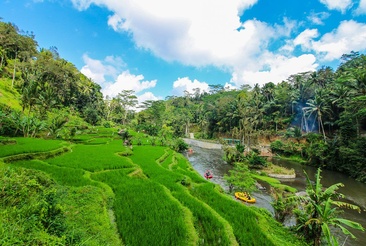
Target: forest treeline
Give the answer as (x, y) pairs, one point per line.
(323, 111)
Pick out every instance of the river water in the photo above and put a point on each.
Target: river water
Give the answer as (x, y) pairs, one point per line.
(202, 159)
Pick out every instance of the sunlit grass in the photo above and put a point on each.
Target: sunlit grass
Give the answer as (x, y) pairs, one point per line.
(30, 145)
(159, 199)
(145, 213)
(101, 140)
(9, 96)
(274, 182)
(274, 169)
(63, 175)
(93, 158)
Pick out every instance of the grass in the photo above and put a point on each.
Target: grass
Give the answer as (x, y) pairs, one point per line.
(37, 211)
(294, 158)
(274, 169)
(156, 195)
(9, 96)
(63, 175)
(93, 158)
(86, 211)
(30, 145)
(138, 207)
(274, 183)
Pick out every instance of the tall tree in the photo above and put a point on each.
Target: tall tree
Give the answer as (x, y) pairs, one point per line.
(128, 101)
(15, 45)
(319, 107)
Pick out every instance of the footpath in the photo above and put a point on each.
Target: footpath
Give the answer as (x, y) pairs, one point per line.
(202, 144)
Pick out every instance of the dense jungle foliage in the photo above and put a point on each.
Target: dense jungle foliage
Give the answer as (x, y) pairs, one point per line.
(318, 116)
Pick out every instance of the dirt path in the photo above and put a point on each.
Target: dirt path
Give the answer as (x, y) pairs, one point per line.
(202, 144)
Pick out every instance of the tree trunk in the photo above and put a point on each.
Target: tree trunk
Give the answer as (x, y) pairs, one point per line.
(322, 126)
(124, 120)
(317, 235)
(15, 61)
(305, 122)
(187, 128)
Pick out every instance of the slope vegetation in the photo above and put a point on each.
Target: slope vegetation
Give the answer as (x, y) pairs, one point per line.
(150, 197)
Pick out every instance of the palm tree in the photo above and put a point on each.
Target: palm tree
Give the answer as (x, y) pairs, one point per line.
(354, 78)
(319, 107)
(320, 212)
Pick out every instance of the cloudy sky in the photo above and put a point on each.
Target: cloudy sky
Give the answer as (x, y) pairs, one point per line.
(163, 47)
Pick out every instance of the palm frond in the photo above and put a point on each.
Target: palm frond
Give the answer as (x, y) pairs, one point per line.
(347, 205)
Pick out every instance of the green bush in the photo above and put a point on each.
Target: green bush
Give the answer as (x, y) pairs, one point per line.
(179, 145)
(277, 146)
(254, 160)
(31, 213)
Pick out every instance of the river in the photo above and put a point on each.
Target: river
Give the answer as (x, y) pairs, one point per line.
(202, 159)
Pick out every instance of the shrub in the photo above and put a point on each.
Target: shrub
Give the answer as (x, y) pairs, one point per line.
(277, 146)
(240, 148)
(179, 145)
(108, 124)
(38, 215)
(255, 160)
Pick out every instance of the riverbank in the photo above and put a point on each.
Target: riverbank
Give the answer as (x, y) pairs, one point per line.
(202, 159)
(276, 172)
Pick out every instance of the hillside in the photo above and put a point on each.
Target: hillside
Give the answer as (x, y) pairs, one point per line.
(9, 96)
(155, 196)
(70, 180)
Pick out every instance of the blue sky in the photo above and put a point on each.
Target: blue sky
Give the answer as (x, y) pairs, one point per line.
(163, 47)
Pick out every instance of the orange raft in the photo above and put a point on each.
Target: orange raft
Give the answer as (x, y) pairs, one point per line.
(244, 196)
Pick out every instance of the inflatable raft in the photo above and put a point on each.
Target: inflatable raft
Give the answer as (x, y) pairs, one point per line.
(244, 196)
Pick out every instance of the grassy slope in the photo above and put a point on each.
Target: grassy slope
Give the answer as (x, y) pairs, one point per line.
(151, 203)
(9, 96)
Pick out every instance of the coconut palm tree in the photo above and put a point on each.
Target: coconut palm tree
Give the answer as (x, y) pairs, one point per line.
(320, 210)
(319, 107)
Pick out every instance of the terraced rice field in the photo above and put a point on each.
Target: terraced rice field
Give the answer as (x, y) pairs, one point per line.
(156, 196)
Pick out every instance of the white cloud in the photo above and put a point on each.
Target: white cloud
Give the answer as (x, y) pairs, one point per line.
(99, 71)
(127, 81)
(317, 18)
(244, 5)
(281, 68)
(229, 86)
(361, 9)
(110, 74)
(210, 32)
(185, 84)
(305, 38)
(81, 4)
(350, 35)
(340, 5)
(147, 96)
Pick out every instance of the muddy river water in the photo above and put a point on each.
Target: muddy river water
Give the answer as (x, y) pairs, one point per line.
(202, 159)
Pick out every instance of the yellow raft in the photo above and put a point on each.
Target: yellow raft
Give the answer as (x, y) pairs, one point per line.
(244, 196)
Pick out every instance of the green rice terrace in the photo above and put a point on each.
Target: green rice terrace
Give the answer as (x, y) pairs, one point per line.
(99, 192)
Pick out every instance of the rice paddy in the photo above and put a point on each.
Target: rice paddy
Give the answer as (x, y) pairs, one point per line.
(29, 145)
(156, 196)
